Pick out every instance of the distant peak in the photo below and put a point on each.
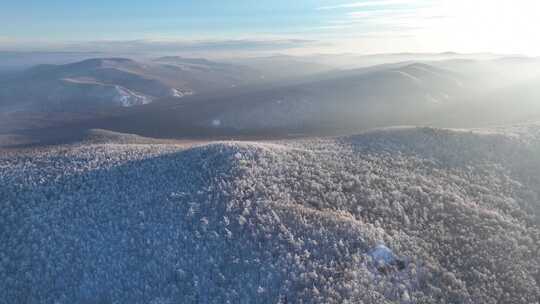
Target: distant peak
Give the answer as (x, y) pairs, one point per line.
(424, 67)
(179, 59)
(101, 62)
(419, 65)
(519, 59)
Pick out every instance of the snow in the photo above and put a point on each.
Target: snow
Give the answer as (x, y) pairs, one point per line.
(128, 98)
(407, 75)
(288, 221)
(175, 92)
(382, 254)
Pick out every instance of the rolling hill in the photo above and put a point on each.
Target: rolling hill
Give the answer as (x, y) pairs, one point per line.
(446, 93)
(106, 82)
(389, 95)
(407, 215)
(328, 104)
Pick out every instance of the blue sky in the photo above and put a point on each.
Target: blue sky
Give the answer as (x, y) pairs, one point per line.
(98, 19)
(313, 25)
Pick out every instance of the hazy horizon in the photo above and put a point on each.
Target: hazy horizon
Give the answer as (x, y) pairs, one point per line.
(303, 27)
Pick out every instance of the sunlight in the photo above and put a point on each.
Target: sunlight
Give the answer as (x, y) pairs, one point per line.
(508, 26)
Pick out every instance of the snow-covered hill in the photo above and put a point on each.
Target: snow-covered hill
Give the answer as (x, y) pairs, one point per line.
(121, 82)
(364, 97)
(410, 215)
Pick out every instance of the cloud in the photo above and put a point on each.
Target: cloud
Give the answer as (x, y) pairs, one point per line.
(165, 46)
(371, 17)
(151, 46)
(367, 4)
(418, 14)
(5, 39)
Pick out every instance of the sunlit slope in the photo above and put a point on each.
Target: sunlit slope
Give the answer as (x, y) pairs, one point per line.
(288, 221)
(114, 82)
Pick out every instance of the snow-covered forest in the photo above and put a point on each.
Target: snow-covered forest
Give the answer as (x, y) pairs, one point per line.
(409, 215)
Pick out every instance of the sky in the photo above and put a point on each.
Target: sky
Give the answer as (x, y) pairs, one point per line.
(289, 26)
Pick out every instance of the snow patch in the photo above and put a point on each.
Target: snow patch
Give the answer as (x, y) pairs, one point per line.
(383, 254)
(414, 78)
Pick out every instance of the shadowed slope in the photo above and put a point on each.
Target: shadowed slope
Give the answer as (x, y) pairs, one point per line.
(262, 223)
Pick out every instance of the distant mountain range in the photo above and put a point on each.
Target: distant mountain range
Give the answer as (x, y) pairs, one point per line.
(440, 93)
(386, 93)
(249, 98)
(103, 82)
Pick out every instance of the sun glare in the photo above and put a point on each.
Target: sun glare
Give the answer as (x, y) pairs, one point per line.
(506, 26)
